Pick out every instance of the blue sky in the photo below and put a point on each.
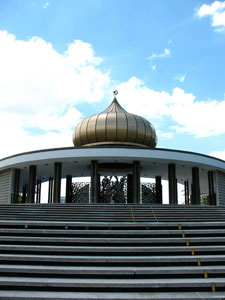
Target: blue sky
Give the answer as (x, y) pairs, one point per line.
(61, 60)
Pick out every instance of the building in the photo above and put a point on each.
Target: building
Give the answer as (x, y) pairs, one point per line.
(112, 143)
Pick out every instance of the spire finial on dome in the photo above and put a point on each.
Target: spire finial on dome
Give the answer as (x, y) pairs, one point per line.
(115, 92)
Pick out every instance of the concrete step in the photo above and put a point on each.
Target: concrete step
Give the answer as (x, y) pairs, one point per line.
(112, 207)
(113, 232)
(81, 251)
(115, 250)
(115, 206)
(110, 219)
(148, 211)
(101, 225)
(27, 295)
(111, 284)
(114, 260)
(110, 240)
(163, 272)
(106, 207)
(113, 212)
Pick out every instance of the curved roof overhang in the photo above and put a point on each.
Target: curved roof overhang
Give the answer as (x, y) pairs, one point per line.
(76, 161)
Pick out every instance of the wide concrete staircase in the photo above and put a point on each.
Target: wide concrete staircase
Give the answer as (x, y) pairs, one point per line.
(68, 251)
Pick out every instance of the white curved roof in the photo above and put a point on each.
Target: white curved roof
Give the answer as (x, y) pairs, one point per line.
(75, 161)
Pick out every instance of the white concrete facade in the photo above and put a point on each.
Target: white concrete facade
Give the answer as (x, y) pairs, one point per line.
(154, 162)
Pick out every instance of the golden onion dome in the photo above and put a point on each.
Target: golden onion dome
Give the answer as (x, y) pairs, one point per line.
(115, 126)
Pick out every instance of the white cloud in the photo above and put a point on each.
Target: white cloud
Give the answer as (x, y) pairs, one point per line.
(209, 10)
(153, 56)
(180, 77)
(218, 154)
(216, 11)
(199, 118)
(39, 88)
(165, 135)
(46, 5)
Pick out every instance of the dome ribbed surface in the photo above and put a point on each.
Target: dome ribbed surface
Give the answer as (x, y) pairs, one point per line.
(115, 126)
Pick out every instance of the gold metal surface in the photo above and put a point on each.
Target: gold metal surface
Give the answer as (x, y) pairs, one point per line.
(115, 126)
(121, 128)
(148, 132)
(154, 214)
(83, 132)
(132, 128)
(111, 127)
(141, 130)
(101, 128)
(77, 135)
(115, 143)
(91, 130)
(154, 136)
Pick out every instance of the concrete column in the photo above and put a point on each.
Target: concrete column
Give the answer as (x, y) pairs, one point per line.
(94, 182)
(57, 182)
(129, 188)
(195, 186)
(186, 192)
(50, 190)
(68, 189)
(38, 200)
(172, 184)
(31, 184)
(99, 186)
(24, 197)
(158, 186)
(16, 185)
(212, 196)
(136, 182)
